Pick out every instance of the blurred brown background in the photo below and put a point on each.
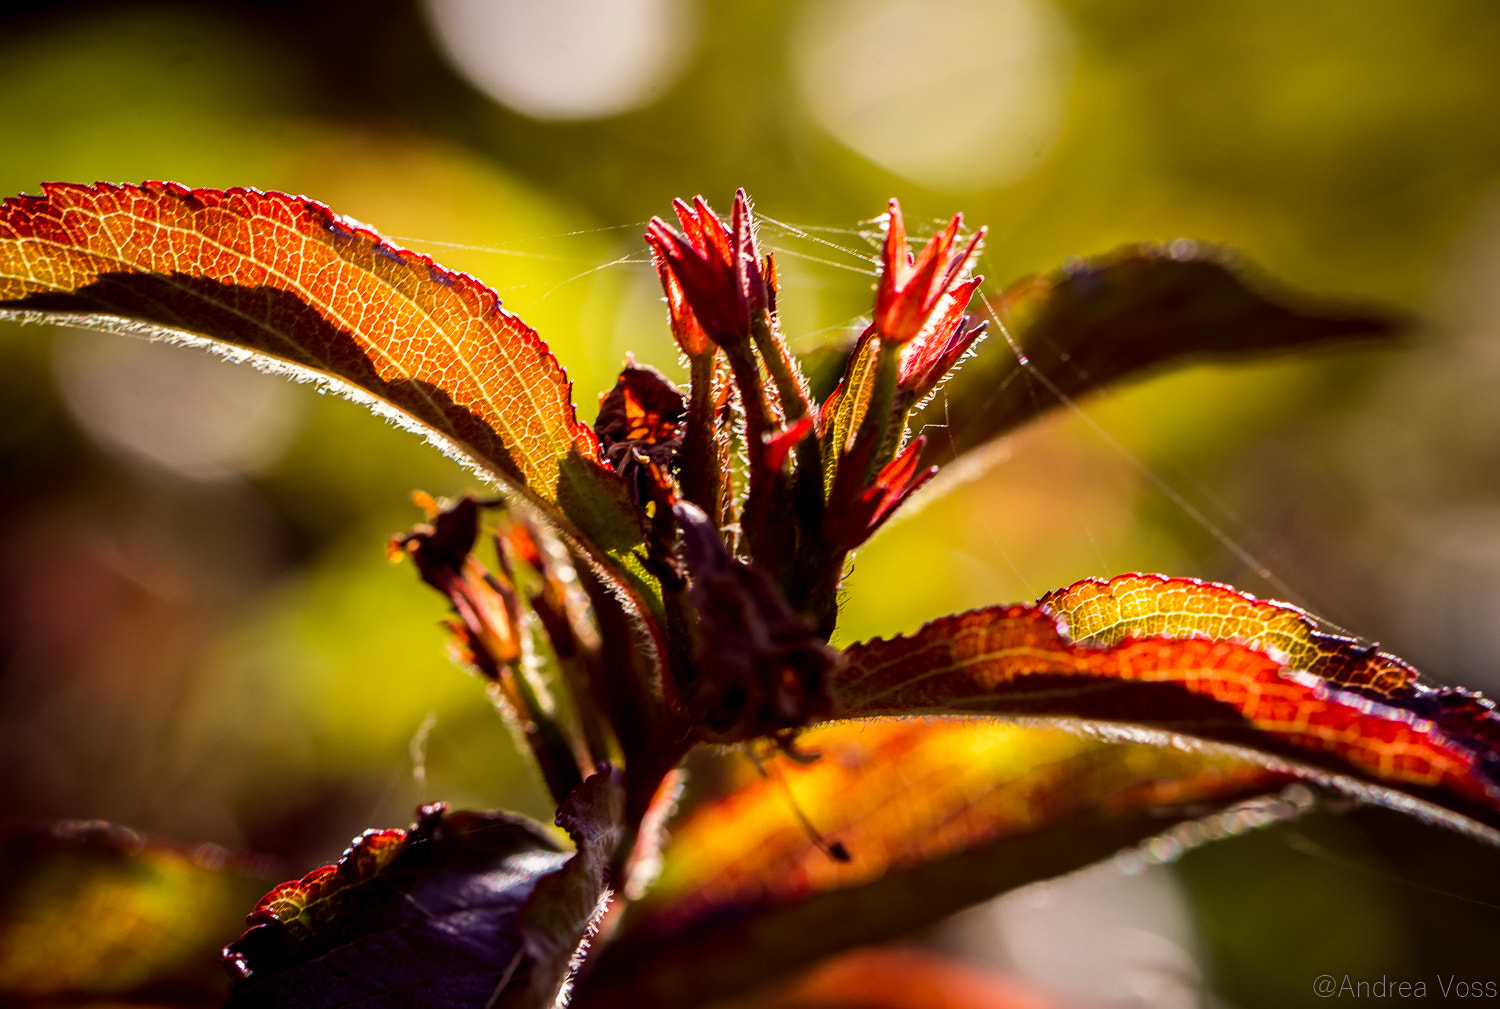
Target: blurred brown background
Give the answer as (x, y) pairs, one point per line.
(200, 635)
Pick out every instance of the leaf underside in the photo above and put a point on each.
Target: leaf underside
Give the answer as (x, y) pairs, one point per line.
(934, 815)
(567, 904)
(1099, 321)
(421, 917)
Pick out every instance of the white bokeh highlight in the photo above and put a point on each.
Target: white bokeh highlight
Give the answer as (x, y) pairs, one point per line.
(1097, 939)
(567, 59)
(178, 408)
(956, 95)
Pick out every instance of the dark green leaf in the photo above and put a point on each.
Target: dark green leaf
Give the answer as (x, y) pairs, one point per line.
(1099, 321)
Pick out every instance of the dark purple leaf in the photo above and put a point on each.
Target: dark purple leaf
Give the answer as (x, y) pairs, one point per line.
(462, 910)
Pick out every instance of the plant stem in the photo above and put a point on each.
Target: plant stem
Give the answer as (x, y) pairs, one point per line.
(552, 748)
(700, 458)
(758, 418)
(575, 675)
(794, 403)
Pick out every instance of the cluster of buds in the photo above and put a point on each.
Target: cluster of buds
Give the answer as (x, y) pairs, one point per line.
(714, 278)
(820, 483)
(750, 497)
(721, 296)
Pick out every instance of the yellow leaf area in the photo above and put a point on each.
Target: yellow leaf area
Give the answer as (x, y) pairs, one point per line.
(1107, 611)
(897, 794)
(94, 923)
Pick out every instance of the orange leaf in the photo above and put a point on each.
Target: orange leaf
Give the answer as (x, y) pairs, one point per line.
(1346, 715)
(287, 283)
(933, 815)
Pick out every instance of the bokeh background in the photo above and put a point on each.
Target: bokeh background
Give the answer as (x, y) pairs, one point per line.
(200, 635)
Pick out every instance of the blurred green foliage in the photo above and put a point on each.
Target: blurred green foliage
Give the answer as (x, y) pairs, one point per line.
(235, 661)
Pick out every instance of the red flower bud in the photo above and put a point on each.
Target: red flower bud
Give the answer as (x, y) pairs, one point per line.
(932, 355)
(851, 524)
(716, 269)
(780, 444)
(685, 328)
(910, 291)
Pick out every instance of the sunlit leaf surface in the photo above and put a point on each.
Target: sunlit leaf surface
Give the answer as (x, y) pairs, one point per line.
(1106, 611)
(89, 912)
(933, 815)
(1099, 321)
(287, 282)
(1219, 666)
(464, 909)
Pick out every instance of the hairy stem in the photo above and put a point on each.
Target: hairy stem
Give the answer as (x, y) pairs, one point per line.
(794, 402)
(758, 418)
(700, 457)
(595, 734)
(552, 747)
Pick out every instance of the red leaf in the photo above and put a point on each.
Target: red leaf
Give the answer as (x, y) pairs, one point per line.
(1366, 720)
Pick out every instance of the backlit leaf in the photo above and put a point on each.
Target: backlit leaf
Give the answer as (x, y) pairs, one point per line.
(1106, 611)
(464, 909)
(285, 282)
(1348, 715)
(933, 816)
(1096, 322)
(94, 912)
